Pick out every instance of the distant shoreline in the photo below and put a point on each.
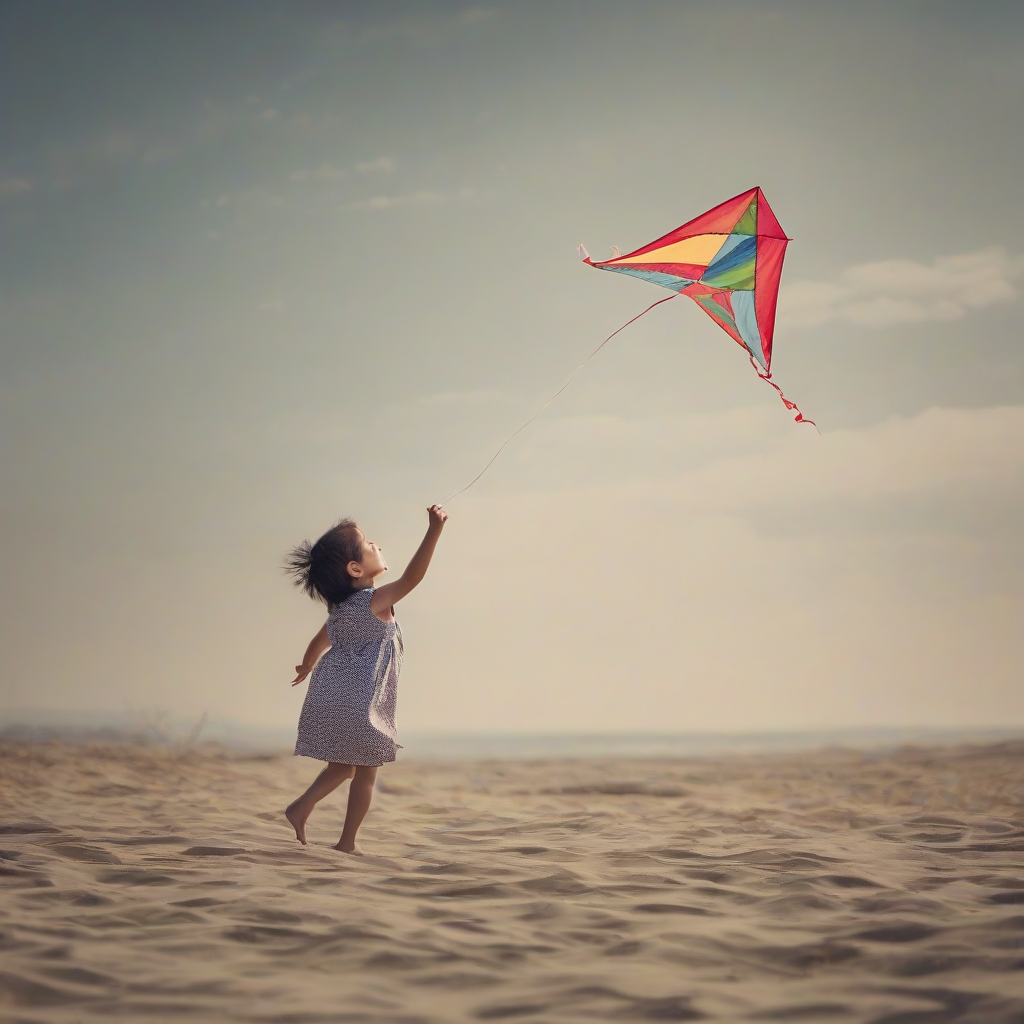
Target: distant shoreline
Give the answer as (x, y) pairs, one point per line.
(129, 729)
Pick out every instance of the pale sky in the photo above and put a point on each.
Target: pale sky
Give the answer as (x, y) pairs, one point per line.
(265, 265)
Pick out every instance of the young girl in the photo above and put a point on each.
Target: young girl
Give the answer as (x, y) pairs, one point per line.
(348, 717)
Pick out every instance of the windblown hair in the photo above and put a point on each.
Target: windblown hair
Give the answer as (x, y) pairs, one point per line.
(321, 569)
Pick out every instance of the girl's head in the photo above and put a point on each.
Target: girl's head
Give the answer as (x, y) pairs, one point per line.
(341, 562)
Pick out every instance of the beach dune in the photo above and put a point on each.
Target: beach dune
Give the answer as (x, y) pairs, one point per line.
(154, 883)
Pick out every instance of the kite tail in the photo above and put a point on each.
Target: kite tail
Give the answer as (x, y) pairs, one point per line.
(791, 406)
(575, 373)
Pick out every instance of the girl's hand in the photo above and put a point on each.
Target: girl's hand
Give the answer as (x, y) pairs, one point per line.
(386, 597)
(320, 643)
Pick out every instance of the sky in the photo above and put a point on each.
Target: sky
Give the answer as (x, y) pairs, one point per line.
(264, 265)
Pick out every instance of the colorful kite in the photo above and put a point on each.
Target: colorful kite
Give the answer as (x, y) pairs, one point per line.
(729, 261)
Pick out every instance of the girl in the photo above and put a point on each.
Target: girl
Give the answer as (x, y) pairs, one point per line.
(348, 717)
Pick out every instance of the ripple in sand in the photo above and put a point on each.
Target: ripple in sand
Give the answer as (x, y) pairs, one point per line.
(617, 789)
(904, 931)
(265, 933)
(85, 854)
(504, 901)
(1007, 898)
(558, 884)
(212, 851)
(510, 1010)
(469, 892)
(16, 991)
(158, 840)
(134, 876)
(629, 948)
(457, 981)
(850, 881)
(77, 975)
(806, 956)
(672, 908)
(806, 1011)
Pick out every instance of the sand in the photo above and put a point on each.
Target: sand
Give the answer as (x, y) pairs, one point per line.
(151, 883)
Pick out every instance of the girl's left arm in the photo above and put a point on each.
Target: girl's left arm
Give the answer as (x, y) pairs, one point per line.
(317, 646)
(385, 597)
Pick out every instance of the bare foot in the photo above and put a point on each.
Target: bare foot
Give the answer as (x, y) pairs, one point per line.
(353, 852)
(297, 821)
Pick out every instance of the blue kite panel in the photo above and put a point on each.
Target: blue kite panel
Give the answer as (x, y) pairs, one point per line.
(727, 247)
(731, 256)
(669, 281)
(746, 323)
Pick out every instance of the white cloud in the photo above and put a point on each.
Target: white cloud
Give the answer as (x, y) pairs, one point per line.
(968, 450)
(904, 291)
(421, 197)
(755, 458)
(384, 164)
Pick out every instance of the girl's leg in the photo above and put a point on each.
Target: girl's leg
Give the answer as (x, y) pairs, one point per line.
(325, 783)
(360, 793)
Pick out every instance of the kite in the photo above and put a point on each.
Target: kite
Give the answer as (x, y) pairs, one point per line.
(729, 261)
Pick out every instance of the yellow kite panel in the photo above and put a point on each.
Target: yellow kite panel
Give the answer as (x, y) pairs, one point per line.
(700, 250)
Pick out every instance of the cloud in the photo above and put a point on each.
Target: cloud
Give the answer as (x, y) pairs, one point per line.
(15, 186)
(869, 575)
(82, 159)
(250, 198)
(479, 396)
(748, 460)
(325, 172)
(383, 164)
(474, 14)
(970, 451)
(421, 197)
(889, 292)
(424, 28)
(331, 172)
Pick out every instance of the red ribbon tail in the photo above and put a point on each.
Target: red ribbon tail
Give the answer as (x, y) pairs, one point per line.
(791, 406)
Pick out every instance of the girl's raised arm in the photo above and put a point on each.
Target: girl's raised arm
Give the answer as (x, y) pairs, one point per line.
(391, 593)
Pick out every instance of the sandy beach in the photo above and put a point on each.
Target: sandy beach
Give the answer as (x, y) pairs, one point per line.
(156, 883)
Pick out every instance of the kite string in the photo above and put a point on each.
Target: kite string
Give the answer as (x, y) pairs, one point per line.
(791, 406)
(570, 379)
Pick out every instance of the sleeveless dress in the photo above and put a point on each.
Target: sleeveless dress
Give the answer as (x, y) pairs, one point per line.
(348, 716)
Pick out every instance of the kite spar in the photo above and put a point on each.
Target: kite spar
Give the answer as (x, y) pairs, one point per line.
(729, 261)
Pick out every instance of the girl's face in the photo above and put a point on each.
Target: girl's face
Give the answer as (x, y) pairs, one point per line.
(372, 563)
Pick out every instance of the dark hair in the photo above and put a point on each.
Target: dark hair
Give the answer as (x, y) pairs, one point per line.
(321, 569)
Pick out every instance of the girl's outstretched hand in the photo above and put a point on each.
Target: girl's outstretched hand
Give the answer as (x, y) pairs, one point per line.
(384, 598)
(320, 643)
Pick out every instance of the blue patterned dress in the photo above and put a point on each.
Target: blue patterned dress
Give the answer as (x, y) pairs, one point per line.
(348, 716)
